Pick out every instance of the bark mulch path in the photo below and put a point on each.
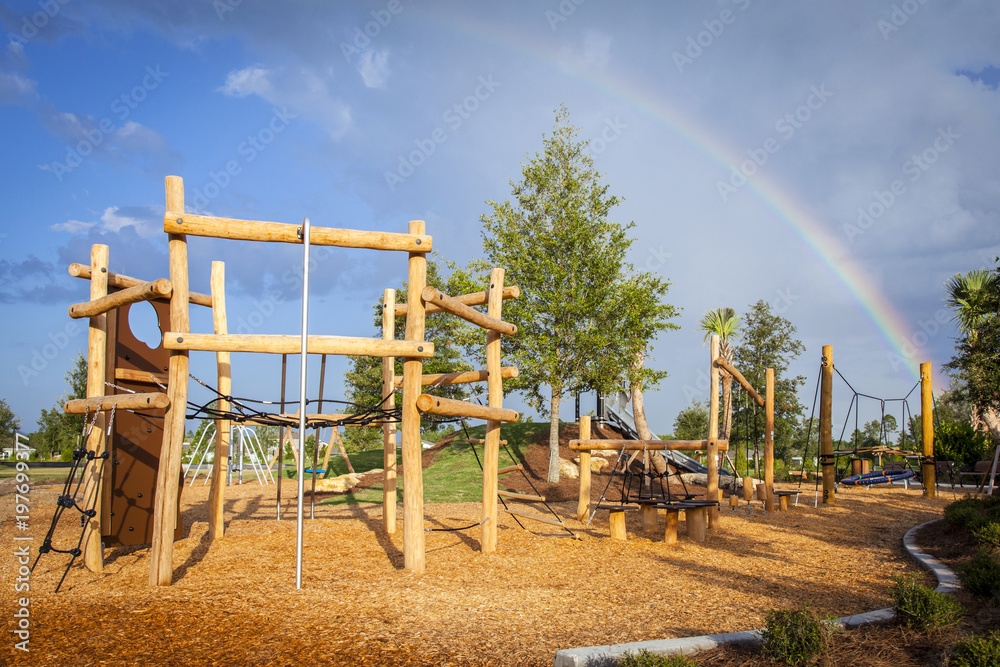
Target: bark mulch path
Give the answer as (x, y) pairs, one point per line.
(234, 602)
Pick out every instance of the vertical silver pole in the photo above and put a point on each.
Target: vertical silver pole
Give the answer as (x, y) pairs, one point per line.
(304, 358)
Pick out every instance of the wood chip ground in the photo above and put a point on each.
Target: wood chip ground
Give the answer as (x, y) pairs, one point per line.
(234, 602)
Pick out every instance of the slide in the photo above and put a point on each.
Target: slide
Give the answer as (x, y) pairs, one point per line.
(616, 411)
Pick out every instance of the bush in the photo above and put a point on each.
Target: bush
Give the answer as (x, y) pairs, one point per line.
(977, 651)
(961, 443)
(646, 659)
(981, 574)
(973, 513)
(793, 637)
(989, 534)
(921, 607)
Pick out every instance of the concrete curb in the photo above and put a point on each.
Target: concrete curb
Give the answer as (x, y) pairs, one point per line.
(608, 656)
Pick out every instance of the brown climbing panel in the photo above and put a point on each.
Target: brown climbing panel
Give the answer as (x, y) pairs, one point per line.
(127, 510)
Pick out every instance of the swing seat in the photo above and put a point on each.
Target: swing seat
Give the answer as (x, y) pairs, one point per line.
(319, 471)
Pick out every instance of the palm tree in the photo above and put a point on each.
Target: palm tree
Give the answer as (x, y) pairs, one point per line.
(975, 298)
(724, 323)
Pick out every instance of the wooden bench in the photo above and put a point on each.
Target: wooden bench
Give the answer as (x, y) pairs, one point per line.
(981, 470)
(783, 498)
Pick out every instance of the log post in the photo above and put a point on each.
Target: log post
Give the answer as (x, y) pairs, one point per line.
(494, 392)
(748, 489)
(927, 428)
(583, 503)
(616, 521)
(649, 518)
(165, 517)
(93, 551)
(713, 433)
(220, 464)
(826, 457)
(388, 429)
(414, 558)
(670, 532)
(695, 520)
(769, 439)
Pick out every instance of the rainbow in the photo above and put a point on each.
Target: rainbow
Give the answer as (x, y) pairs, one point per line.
(876, 307)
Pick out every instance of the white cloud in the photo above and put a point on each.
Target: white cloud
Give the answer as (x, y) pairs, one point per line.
(73, 226)
(143, 219)
(301, 91)
(374, 68)
(16, 89)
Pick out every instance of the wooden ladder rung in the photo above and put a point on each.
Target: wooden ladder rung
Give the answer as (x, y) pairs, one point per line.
(527, 497)
(504, 471)
(535, 517)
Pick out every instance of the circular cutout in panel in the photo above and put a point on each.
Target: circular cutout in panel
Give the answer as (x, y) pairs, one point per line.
(144, 324)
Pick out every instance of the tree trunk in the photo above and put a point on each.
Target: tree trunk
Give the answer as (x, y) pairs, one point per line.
(639, 405)
(727, 406)
(554, 435)
(992, 421)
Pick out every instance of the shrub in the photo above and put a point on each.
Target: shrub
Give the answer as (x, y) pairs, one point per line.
(793, 637)
(646, 659)
(981, 574)
(921, 607)
(961, 443)
(989, 534)
(964, 513)
(977, 651)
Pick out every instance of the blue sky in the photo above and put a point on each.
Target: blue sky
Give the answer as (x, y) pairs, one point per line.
(744, 137)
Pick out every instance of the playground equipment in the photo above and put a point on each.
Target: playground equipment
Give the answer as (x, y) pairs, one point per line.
(165, 409)
(672, 448)
(245, 446)
(828, 456)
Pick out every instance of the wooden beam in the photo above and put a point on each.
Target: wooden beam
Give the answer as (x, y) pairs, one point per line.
(220, 463)
(93, 551)
(471, 299)
(161, 551)
(494, 395)
(175, 222)
(121, 282)
(732, 370)
(388, 429)
(461, 377)
(583, 499)
(526, 497)
(515, 468)
(283, 344)
(144, 401)
(449, 407)
(769, 439)
(455, 307)
(826, 458)
(651, 445)
(131, 375)
(158, 289)
(712, 456)
(927, 429)
(414, 541)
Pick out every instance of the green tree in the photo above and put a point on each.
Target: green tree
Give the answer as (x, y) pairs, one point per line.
(768, 341)
(9, 424)
(975, 299)
(57, 431)
(557, 243)
(453, 338)
(724, 323)
(691, 423)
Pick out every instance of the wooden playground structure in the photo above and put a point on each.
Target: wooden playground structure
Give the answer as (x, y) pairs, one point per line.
(150, 393)
(170, 374)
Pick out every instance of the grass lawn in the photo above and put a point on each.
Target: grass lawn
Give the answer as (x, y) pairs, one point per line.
(37, 473)
(454, 476)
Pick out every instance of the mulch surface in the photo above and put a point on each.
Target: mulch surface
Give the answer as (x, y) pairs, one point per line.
(234, 602)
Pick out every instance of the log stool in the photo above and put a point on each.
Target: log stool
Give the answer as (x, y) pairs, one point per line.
(616, 519)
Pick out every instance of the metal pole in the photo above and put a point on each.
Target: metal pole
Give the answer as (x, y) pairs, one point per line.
(281, 433)
(303, 365)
